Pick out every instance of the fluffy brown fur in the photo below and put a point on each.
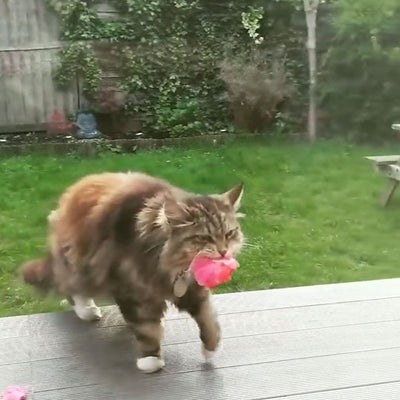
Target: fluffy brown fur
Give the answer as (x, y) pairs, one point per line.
(132, 236)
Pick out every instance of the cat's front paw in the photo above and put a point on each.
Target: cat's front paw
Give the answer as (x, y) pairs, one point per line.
(207, 354)
(88, 313)
(151, 364)
(85, 308)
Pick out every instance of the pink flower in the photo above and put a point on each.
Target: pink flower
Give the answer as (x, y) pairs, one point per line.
(15, 393)
(211, 272)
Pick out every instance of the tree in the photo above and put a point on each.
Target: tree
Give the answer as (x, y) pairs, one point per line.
(310, 9)
(358, 73)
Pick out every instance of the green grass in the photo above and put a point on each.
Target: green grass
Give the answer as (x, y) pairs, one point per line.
(311, 211)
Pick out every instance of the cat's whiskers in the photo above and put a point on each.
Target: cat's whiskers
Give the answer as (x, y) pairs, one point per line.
(246, 244)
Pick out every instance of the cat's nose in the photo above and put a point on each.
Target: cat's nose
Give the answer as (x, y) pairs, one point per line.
(223, 251)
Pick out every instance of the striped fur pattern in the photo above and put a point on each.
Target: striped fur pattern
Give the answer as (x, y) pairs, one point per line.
(131, 236)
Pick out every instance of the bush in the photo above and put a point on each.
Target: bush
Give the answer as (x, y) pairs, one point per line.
(173, 83)
(181, 119)
(256, 89)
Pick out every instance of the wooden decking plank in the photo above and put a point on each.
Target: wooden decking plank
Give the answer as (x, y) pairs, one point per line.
(235, 351)
(91, 392)
(256, 300)
(52, 339)
(307, 295)
(291, 319)
(15, 374)
(12, 327)
(301, 296)
(253, 322)
(384, 391)
(248, 382)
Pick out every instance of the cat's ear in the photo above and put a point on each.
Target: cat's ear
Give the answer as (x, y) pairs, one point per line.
(172, 213)
(234, 196)
(160, 213)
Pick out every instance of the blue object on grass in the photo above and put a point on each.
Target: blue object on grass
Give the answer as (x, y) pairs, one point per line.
(86, 123)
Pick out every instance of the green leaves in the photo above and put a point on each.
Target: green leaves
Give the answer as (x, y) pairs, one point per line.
(167, 53)
(364, 13)
(77, 59)
(251, 21)
(359, 82)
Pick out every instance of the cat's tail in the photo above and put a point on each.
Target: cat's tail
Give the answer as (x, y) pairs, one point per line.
(38, 273)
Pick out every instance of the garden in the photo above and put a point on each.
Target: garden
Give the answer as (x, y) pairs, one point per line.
(224, 69)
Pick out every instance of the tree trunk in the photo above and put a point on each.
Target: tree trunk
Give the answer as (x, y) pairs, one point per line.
(310, 9)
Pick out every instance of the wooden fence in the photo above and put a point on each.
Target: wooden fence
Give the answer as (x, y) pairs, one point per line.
(29, 43)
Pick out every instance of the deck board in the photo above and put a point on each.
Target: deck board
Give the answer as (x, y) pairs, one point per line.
(322, 342)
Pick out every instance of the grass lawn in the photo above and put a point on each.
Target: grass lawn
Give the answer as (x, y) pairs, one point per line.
(312, 215)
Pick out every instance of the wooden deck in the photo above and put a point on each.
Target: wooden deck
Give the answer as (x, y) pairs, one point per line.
(314, 343)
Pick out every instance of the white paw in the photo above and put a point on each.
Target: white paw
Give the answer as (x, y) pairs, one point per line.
(88, 313)
(65, 303)
(150, 364)
(86, 309)
(53, 216)
(207, 354)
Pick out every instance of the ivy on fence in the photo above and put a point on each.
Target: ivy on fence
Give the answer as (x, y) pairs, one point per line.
(168, 54)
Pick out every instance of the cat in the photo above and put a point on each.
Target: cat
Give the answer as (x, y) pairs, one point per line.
(133, 236)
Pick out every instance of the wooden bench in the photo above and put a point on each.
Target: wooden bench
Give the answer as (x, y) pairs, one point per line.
(389, 167)
(328, 342)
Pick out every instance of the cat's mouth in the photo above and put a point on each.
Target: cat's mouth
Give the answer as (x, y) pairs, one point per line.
(212, 255)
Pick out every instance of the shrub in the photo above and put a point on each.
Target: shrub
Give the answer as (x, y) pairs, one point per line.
(256, 89)
(181, 119)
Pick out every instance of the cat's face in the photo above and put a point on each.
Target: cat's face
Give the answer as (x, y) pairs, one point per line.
(204, 225)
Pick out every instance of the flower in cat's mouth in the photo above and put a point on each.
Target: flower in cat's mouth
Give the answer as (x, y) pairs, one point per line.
(211, 272)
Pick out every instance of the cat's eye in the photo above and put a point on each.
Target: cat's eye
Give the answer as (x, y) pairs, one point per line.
(205, 238)
(230, 233)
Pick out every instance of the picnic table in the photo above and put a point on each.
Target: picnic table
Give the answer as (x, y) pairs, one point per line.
(326, 342)
(389, 167)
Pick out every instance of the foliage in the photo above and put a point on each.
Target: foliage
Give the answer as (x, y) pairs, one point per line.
(171, 77)
(251, 21)
(359, 81)
(78, 60)
(170, 52)
(181, 119)
(257, 86)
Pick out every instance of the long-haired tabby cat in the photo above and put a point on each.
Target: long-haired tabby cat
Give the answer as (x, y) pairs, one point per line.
(133, 236)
